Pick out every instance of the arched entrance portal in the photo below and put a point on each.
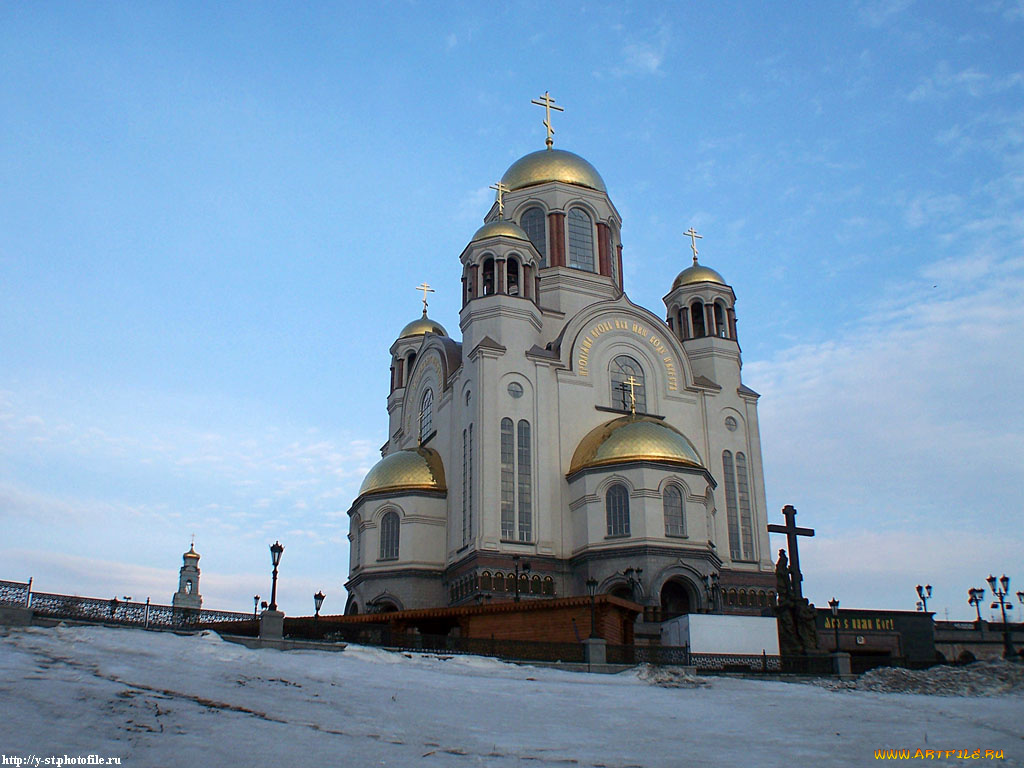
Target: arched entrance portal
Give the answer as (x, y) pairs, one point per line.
(675, 600)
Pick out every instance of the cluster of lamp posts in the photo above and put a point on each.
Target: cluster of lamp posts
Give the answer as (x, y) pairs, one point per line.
(276, 550)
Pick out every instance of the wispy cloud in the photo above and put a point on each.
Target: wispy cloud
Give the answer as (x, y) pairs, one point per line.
(643, 57)
(946, 83)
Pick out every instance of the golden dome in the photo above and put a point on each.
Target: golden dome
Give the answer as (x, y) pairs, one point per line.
(422, 326)
(500, 228)
(633, 438)
(552, 165)
(415, 469)
(192, 554)
(697, 273)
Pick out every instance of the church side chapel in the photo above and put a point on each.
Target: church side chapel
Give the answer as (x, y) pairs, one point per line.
(570, 435)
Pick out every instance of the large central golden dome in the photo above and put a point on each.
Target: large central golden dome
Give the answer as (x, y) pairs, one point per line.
(552, 165)
(634, 438)
(415, 469)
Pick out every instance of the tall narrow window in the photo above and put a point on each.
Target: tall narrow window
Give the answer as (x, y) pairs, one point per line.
(534, 224)
(746, 518)
(673, 504)
(622, 368)
(697, 319)
(426, 415)
(737, 503)
(508, 491)
(465, 487)
(581, 240)
(355, 541)
(389, 526)
(525, 505)
(617, 510)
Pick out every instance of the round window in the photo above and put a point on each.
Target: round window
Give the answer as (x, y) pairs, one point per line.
(730, 423)
(515, 389)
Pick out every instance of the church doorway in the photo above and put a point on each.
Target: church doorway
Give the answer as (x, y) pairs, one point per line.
(675, 600)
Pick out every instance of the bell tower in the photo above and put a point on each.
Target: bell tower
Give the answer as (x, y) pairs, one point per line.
(188, 595)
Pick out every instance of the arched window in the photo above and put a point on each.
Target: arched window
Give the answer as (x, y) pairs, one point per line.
(426, 415)
(737, 505)
(675, 524)
(622, 368)
(617, 510)
(499, 582)
(485, 581)
(721, 329)
(524, 485)
(534, 224)
(535, 585)
(508, 488)
(512, 270)
(488, 277)
(697, 319)
(549, 586)
(188, 587)
(581, 240)
(389, 525)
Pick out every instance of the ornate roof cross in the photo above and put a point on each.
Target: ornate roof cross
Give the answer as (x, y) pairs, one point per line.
(426, 289)
(694, 237)
(501, 189)
(792, 531)
(548, 103)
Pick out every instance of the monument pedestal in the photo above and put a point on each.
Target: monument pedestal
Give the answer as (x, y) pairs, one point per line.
(595, 650)
(271, 625)
(841, 664)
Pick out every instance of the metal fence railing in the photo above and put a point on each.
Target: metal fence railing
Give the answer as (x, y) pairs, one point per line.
(15, 593)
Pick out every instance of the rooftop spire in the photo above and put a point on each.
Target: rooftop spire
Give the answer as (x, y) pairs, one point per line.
(548, 103)
(694, 237)
(426, 289)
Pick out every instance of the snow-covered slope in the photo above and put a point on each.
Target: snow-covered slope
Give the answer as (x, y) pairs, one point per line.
(157, 699)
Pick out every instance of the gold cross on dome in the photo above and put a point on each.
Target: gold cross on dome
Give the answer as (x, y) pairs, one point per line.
(694, 237)
(501, 189)
(632, 395)
(548, 103)
(426, 289)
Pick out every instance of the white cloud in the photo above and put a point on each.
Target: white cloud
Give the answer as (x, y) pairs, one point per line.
(971, 82)
(643, 57)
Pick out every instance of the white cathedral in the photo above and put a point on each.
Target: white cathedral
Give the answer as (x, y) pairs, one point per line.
(571, 434)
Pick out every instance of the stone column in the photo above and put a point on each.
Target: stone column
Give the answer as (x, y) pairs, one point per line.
(556, 238)
(604, 264)
(500, 278)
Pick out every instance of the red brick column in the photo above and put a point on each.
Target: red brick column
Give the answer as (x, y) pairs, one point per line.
(604, 246)
(556, 239)
(618, 255)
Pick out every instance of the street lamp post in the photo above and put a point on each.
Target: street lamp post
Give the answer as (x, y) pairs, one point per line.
(276, 550)
(318, 600)
(1004, 605)
(834, 605)
(975, 596)
(592, 589)
(255, 605)
(924, 593)
(524, 569)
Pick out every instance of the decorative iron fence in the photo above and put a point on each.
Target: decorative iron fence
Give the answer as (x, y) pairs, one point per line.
(14, 593)
(658, 655)
(124, 612)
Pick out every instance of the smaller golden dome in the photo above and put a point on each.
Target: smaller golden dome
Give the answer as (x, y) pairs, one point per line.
(422, 326)
(415, 469)
(500, 228)
(634, 438)
(191, 554)
(552, 165)
(697, 273)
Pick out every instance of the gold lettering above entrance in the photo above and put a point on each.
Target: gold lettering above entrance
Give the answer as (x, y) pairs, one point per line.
(657, 344)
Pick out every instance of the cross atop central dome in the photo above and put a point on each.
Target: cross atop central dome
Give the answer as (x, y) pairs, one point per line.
(552, 165)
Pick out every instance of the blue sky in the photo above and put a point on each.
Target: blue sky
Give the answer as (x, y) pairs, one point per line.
(213, 218)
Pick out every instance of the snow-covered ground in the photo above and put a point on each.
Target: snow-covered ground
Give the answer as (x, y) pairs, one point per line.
(157, 699)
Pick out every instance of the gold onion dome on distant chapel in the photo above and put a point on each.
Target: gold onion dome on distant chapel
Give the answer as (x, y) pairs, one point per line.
(552, 165)
(415, 469)
(697, 273)
(500, 228)
(634, 438)
(422, 326)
